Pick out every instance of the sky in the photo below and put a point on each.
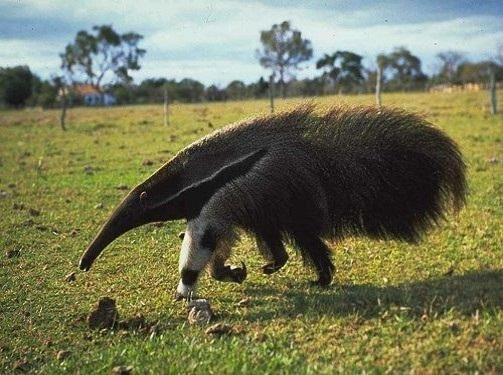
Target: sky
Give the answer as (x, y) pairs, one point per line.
(215, 42)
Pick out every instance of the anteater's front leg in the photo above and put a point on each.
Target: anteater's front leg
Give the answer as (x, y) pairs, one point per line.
(222, 272)
(198, 246)
(272, 249)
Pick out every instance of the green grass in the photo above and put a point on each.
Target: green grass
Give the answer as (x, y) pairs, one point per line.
(393, 307)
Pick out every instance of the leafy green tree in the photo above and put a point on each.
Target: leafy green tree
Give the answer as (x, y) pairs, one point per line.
(449, 62)
(236, 90)
(47, 94)
(342, 67)
(478, 72)
(260, 88)
(214, 93)
(16, 85)
(102, 54)
(407, 68)
(99, 56)
(190, 90)
(401, 70)
(283, 50)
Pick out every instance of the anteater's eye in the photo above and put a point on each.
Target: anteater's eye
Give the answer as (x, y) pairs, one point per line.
(143, 198)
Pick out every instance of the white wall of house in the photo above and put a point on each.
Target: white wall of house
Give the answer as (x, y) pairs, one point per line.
(99, 99)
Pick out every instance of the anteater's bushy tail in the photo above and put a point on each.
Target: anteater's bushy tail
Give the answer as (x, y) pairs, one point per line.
(391, 175)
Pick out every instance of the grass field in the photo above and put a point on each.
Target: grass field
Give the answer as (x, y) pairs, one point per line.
(393, 307)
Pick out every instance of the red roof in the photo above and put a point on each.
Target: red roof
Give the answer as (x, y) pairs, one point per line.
(85, 89)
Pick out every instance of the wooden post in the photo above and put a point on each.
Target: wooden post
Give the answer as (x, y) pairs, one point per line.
(166, 108)
(64, 104)
(271, 92)
(492, 91)
(378, 85)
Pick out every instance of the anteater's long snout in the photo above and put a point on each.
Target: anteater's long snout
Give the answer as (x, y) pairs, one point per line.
(128, 215)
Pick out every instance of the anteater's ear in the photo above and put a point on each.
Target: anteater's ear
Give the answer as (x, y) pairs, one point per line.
(195, 196)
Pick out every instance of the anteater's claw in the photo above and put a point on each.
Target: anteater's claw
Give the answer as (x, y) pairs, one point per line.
(179, 297)
(239, 274)
(322, 282)
(270, 268)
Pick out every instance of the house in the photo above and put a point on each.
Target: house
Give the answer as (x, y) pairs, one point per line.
(91, 96)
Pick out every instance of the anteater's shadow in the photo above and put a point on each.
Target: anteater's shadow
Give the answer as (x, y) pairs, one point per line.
(467, 293)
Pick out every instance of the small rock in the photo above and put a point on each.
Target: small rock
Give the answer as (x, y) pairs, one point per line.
(18, 206)
(199, 312)
(453, 326)
(122, 187)
(27, 223)
(449, 272)
(70, 278)
(147, 162)
(12, 253)
(62, 355)
(135, 323)
(122, 370)
(104, 316)
(244, 302)
(219, 329)
(21, 365)
(154, 330)
(74, 232)
(88, 169)
(33, 212)
(99, 206)
(3, 194)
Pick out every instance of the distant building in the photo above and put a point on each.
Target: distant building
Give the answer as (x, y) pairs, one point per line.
(473, 87)
(89, 95)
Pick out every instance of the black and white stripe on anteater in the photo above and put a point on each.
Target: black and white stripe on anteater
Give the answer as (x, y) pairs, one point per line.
(298, 176)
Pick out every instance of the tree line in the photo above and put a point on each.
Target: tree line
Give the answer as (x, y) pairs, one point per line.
(104, 59)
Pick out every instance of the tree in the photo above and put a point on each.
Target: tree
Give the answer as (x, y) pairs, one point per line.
(342, 67)
(190, 90)
(236, 90)
(404, 68)
(16, 85)
(478, 72)
(449, 62)
(260, 88)
(214, 93)
(102, 54)
(99, 56)
(283, 50)
(47, 94)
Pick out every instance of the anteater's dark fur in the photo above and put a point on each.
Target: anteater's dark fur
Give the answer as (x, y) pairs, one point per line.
(382, 173)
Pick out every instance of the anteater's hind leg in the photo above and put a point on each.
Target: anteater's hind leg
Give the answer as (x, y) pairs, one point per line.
(271, 247)
(316, 253)
(222, 272)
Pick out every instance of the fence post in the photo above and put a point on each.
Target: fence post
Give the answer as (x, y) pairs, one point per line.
(64, 104)
(166, 108)
(271, 92)
(492, 91)
(378, 85)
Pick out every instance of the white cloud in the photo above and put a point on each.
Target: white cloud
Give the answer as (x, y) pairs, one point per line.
(216, 41)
